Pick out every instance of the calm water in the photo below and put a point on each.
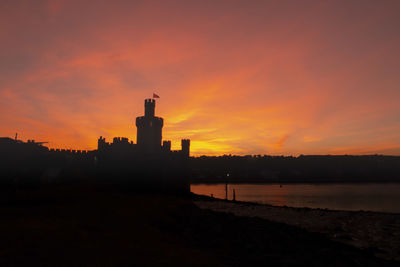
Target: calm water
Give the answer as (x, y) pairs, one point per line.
(372, 197)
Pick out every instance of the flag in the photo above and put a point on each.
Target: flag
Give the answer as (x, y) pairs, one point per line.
(155, 95)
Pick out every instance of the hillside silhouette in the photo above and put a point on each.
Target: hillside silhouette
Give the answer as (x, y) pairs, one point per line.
(302, 169)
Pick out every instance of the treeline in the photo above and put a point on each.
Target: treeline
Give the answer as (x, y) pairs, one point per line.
(302, 169)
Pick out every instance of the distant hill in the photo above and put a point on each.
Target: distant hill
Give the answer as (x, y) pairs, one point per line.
(302, 169)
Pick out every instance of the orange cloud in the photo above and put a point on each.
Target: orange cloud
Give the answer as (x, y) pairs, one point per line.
(279, 144)
(235, 79)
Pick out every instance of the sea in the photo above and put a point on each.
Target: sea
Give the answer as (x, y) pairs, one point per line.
(380, 197)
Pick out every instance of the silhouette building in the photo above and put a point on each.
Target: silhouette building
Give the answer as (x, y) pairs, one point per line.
(150, 162)
(148, 140)
(149, 128)
(149, 165)
(185, 144)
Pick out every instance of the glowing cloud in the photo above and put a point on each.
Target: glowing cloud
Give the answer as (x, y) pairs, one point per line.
(236, 77)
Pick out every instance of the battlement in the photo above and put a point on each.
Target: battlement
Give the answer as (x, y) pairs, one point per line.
(153, 119)
(68, 151)
(149, 101)
(146, 121)
(120, 140)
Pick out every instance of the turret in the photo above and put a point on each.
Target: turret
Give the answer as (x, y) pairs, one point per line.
(149, 107)
(185, 144)
(167, 146)
(101, 144)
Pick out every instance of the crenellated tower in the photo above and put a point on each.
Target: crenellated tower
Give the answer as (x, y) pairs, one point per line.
(149, 128)
(149, 107)
(185, 145)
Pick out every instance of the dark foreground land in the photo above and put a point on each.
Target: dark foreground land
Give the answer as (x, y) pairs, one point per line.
(377, 232)
(81, 226)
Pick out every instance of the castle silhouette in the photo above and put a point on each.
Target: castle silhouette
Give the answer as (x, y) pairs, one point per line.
(148, 142)
(148, 138)
(148, 164)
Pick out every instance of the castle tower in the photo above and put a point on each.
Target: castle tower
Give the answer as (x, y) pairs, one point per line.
(149, 128)
(101, 144)
(167, 146)
(149, 107)
(185, 144)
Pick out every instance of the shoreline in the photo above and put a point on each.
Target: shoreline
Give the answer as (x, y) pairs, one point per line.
(252, 203)
(290, 182)
(378, 232)
(374, 197)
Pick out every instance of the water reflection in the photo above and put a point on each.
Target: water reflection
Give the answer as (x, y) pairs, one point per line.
(373, 197)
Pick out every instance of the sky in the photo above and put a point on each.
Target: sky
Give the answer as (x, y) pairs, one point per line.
(235, 77)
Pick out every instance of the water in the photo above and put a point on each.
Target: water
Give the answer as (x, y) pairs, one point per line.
(368, 197)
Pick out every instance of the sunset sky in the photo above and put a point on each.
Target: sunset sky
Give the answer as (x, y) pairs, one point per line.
(236, 77)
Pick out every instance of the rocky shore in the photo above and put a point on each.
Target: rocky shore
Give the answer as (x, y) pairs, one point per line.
(377, 232)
